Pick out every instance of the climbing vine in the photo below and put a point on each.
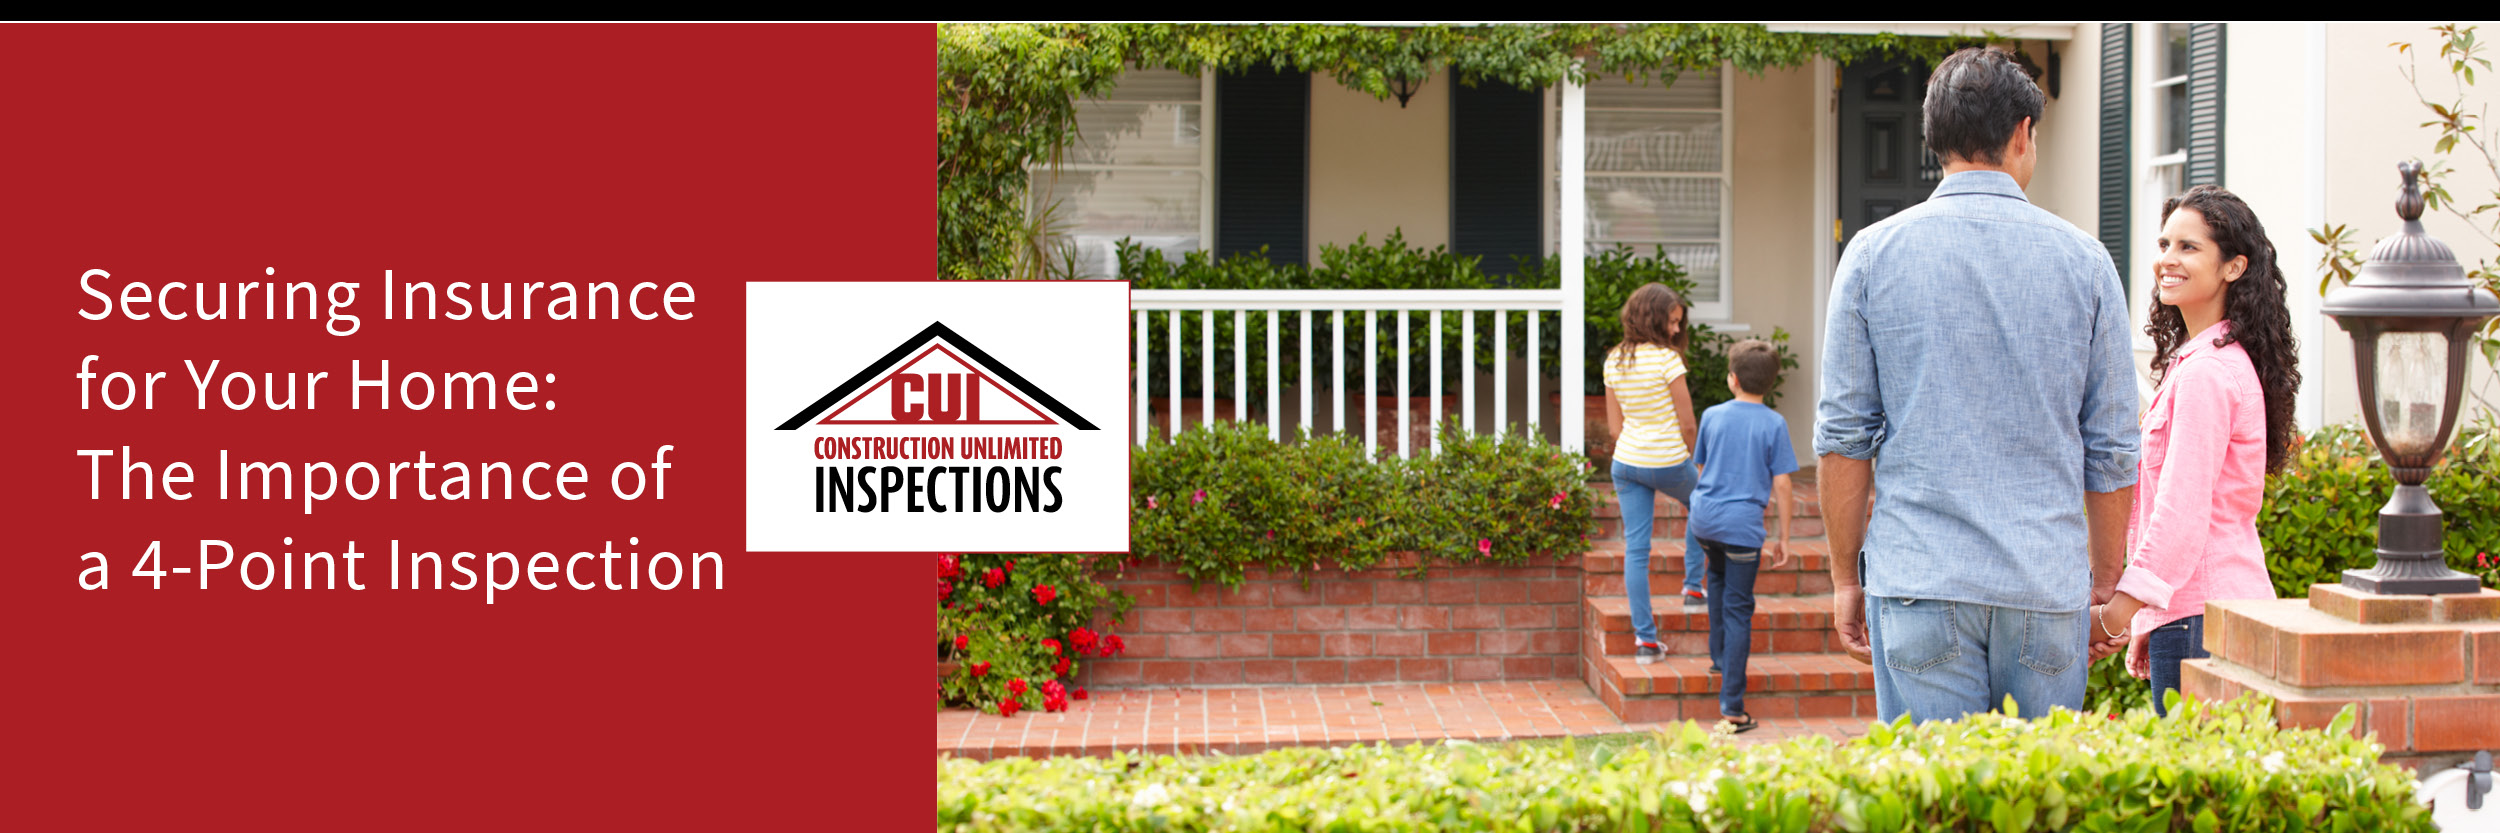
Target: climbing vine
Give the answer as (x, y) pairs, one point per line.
(1007, 92)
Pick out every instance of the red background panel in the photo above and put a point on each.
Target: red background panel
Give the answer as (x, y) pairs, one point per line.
(712, 155)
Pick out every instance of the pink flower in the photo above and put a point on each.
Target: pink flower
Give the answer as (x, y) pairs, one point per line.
(1151, 504)
(1198, 497)
(1556, 503)
(1484, 545)
(1271, 535)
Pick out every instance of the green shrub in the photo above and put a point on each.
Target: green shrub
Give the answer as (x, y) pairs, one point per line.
(2320, 518)
(1611, 277)
(1224, 498)
(2206, 765)
(1008, 633)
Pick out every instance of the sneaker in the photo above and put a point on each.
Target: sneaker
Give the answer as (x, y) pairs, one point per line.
(1714, 668)
(1694, 600)
(1648, 653)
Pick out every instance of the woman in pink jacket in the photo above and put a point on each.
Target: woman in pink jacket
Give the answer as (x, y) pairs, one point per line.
(2226, 365)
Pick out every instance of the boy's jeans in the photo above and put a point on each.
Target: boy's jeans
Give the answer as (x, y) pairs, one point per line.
(1732, 571)
(1636, 490)
(2166, 647)
(1938, 660)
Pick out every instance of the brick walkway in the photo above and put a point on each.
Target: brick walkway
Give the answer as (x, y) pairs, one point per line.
(1248, 720)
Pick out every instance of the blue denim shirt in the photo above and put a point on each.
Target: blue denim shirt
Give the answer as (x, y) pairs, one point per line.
(1977, 350)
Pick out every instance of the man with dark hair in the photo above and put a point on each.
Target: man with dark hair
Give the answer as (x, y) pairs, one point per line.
(1979, 343)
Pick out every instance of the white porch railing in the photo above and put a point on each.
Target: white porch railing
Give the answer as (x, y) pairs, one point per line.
(1334, 307)
(1568, 301)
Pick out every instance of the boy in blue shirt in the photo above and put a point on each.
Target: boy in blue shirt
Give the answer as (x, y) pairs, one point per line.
(1745, 458)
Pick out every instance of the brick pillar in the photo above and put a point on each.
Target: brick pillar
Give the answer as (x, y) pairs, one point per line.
(2424, 671)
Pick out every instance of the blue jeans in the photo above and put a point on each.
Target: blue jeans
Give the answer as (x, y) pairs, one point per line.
(2165, 647)
(1939, 660)
(1636, 490)
(1732, 571)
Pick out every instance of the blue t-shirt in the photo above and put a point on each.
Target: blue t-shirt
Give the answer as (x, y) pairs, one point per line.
(1742, 445)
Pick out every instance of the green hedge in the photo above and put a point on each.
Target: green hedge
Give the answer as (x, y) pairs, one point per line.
(1224, 498)
(2208, 766)
(2320, 518)
(1392, 264)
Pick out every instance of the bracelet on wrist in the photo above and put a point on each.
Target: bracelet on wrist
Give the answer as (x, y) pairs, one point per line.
(2101, 620)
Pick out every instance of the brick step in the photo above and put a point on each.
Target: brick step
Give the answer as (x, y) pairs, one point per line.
(1807, 505)
(1776, 686)
(1781, 625)
(1768, 583)
(1810, 555)
(1611, 527)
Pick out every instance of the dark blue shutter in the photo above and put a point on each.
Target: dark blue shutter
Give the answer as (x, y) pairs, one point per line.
(2117, 46)
(2204, 83)
(1496, 163)
(1262, 163)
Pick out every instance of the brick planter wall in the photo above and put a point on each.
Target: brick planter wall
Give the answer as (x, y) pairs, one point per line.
(1455, 624)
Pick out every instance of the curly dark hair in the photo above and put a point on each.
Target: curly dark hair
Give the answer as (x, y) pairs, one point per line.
(2260, 322)
(1646, 315)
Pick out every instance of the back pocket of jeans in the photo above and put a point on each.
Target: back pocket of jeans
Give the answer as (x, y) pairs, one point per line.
(2052, 641)
(1918, 635)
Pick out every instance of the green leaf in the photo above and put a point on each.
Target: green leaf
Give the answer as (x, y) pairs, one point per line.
(2206, 821)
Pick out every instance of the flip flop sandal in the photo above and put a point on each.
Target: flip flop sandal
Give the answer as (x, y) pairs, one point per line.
(1729, 726)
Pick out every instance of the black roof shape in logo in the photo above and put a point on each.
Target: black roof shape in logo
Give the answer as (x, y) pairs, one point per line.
(868, 375)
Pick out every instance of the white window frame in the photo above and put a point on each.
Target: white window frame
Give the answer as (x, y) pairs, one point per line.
(1719, 311)
(2161, 173)
(1207, 133)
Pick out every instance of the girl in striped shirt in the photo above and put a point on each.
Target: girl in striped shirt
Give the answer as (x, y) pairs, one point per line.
(1649, 411)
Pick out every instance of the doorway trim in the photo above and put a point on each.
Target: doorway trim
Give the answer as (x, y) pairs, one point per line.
(1824, 229)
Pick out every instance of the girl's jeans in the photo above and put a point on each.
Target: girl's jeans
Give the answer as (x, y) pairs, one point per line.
(1636, 490)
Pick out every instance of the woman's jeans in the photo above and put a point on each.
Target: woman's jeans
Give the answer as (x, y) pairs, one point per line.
(2165, 647)
(1636, 490)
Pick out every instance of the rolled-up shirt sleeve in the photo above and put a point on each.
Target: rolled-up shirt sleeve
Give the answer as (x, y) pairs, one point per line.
(2108, 419)
(2172, 538)
(1849, 416)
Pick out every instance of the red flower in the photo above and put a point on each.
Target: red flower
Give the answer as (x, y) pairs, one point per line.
(1112, 644)
(963, 642)
(1078, 694)
(1060, 668)
(980, 668)
(1484, 545)
(1011, 565)
(994, 577)
(1082, 638)
(945, 589)
(1043, 594)
(1053, 645)
(1556, 503)
(1054, 703)
(1016, 686)
(949, 566)
(1007, 708)
(1053, 687)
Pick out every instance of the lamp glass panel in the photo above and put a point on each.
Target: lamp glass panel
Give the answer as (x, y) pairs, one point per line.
(2412, 386)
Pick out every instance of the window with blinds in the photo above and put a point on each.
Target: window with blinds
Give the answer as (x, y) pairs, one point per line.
(1138, 169)
(1657, 169)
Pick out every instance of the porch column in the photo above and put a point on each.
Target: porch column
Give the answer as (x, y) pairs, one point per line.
(1573, 159)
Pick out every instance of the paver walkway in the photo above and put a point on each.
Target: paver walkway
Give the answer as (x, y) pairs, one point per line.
(1240, 721)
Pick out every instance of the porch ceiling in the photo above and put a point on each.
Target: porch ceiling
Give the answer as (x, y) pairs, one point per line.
(2024, 30)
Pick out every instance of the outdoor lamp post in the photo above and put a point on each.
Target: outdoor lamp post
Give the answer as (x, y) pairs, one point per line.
(2409, 314)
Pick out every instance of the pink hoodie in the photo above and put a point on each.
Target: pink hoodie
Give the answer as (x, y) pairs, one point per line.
(2193, 535)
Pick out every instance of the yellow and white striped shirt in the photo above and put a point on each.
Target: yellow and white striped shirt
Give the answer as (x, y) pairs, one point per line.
(1645, 390)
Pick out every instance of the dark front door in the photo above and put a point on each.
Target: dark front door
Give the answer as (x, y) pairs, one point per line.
(1884, 164)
